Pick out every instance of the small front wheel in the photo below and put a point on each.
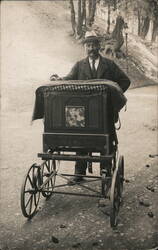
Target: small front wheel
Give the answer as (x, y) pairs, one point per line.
(29, 192)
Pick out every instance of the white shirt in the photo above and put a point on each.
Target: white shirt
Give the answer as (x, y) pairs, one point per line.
(96, 62)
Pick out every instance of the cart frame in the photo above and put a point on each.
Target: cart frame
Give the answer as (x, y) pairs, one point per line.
(40, 179)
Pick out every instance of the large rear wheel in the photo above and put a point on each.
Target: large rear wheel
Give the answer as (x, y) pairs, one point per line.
(115, 198)
(121, 173)
(48, 168)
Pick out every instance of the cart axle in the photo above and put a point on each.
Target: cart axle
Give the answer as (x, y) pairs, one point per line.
(47, 156)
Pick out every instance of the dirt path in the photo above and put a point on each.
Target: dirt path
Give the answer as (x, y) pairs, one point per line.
(30, 53)
(34, 46)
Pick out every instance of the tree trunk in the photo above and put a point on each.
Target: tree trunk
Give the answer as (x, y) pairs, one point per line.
(89, 7)
(155, 31)
(84, 12)
(115, 4)
(92, 10)
(144, 27)
(138, 14)
(108, 21)
(81, 17)
(73, 18)
(79, 21)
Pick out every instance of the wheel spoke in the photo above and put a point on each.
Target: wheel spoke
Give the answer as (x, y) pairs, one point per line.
(30, 180)
(53, 182)
(28, 201)
(31, 204)
(35, 201)
(28, 191)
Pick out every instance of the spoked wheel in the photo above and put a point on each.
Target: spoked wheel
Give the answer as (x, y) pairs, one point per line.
(30, 193)
(115, 198)
(48, 168)
(121, 173)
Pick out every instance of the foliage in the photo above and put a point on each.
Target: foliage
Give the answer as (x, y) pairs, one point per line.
(145, 10)
(147, 7)
(112, 3)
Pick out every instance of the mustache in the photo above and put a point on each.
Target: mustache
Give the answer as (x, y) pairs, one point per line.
(92, 51)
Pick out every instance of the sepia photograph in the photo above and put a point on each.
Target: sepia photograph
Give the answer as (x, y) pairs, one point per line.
(78, 124)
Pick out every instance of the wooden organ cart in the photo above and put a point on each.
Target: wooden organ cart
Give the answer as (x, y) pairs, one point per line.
(78, 115)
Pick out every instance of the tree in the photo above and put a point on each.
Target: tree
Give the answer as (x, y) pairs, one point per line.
(110, 4)
(92, 10)
(155, 30)
(154, 6)
(79, 21)
(77, 26)
(83, 22)
(143, 13)
(73, 18)
(84, 12)
(146, 11)
(108, 21)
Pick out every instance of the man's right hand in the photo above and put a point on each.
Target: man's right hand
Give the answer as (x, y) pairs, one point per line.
(55, 77)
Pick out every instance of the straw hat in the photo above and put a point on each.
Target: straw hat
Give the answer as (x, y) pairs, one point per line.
(91, 36)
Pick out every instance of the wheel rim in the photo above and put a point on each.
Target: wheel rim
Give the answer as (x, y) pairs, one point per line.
(48, 168)
(115, 198)
(29, 192)
(121, 173)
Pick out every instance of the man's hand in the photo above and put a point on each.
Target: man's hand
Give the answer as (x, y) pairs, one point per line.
(55, 77)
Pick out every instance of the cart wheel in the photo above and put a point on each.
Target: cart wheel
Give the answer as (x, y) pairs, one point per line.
(121, 173)
(29, 192)
(48, 167)
(115, 198)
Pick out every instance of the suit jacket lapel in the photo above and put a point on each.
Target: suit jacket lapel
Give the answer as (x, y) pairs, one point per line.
(87, 68)
(101, 67)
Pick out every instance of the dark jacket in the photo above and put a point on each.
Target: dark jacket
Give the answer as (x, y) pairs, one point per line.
(107, 69)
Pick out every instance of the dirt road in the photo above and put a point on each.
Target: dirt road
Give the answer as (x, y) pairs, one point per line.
(35, 45)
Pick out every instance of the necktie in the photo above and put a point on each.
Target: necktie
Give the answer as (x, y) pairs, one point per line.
(94, 72)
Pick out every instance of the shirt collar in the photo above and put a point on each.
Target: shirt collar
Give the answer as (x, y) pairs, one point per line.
(96, 60)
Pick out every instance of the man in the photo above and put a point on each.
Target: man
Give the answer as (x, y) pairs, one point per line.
(94, 67)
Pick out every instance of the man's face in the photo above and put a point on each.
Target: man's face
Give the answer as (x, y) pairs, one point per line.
(92, 49)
